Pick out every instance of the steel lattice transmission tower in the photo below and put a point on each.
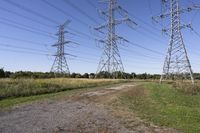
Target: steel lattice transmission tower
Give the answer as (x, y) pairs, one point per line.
(60, 65)
(111, 60)
(176, 64)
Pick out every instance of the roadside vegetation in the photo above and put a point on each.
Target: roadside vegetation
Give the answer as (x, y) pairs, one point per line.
(16, 91)
(166, 105)
(30, 87)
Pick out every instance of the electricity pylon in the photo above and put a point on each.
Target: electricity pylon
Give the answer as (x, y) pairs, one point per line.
(60, 65)
(111, 60)
(176, 64)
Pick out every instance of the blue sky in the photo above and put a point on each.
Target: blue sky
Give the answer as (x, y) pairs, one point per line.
(26, 38)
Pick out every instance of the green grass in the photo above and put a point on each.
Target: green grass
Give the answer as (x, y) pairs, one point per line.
(166, 106)
(30, 87)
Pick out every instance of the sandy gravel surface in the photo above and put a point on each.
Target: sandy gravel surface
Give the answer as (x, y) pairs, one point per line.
(81, 114)
(65, 116)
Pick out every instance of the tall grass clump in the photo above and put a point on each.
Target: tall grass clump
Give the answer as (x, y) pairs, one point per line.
(187, 88)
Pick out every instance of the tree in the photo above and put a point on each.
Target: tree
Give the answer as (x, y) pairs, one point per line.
(86, 75)
(134, 75)
(73, 75)
(78, 75)
(92, 76)
(7, 74)
(2, 73)
(103, 74)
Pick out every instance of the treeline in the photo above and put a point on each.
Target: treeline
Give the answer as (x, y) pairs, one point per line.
(117, 75)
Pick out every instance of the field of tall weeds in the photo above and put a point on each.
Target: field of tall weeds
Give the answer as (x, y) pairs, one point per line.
(29, 87)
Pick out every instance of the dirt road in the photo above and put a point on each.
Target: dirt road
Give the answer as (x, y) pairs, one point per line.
(82, 113)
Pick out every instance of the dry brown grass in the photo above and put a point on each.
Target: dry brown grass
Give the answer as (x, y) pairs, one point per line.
(187, 88)
(29, 87)
(138, 91)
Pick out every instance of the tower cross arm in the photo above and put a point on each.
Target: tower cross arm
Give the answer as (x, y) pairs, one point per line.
(102, 41)
(181, 27)
(122, 9)
(66, 23)
(121, 38)
(105, 13)
(196, 6)
(57, 34)
(119, 8)
(57, 44)
(183, 10)
(127, 20)
(101, 27)
(70, 54)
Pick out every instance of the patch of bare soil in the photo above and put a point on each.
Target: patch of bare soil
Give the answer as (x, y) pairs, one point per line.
(83, 113)
(59, 117)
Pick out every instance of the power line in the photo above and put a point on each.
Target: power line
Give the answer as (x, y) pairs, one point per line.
(80, 11)
(25, 29)
(196, 33)
(64, 12)
(44, 24)
(22, 40)
(18, 47)
(23, 52)
(81, 33)
(84, 34)
(132, 43)
(146, 29)
(43, 54)
(11, 21)
(144, 22)
(150, 7)
(25, 48)
(124, 50)
(31, 11)
(91, 4)
(140, 54)
(136, 45)
(28, 52)
(25, 17)
(140, 46)
(86, 53)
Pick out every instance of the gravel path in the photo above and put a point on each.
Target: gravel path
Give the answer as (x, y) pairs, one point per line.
(65, 116)
(76, 115)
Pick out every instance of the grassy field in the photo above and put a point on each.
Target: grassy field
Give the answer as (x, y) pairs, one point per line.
(165, 106)
(29, 87)
(22, 90)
